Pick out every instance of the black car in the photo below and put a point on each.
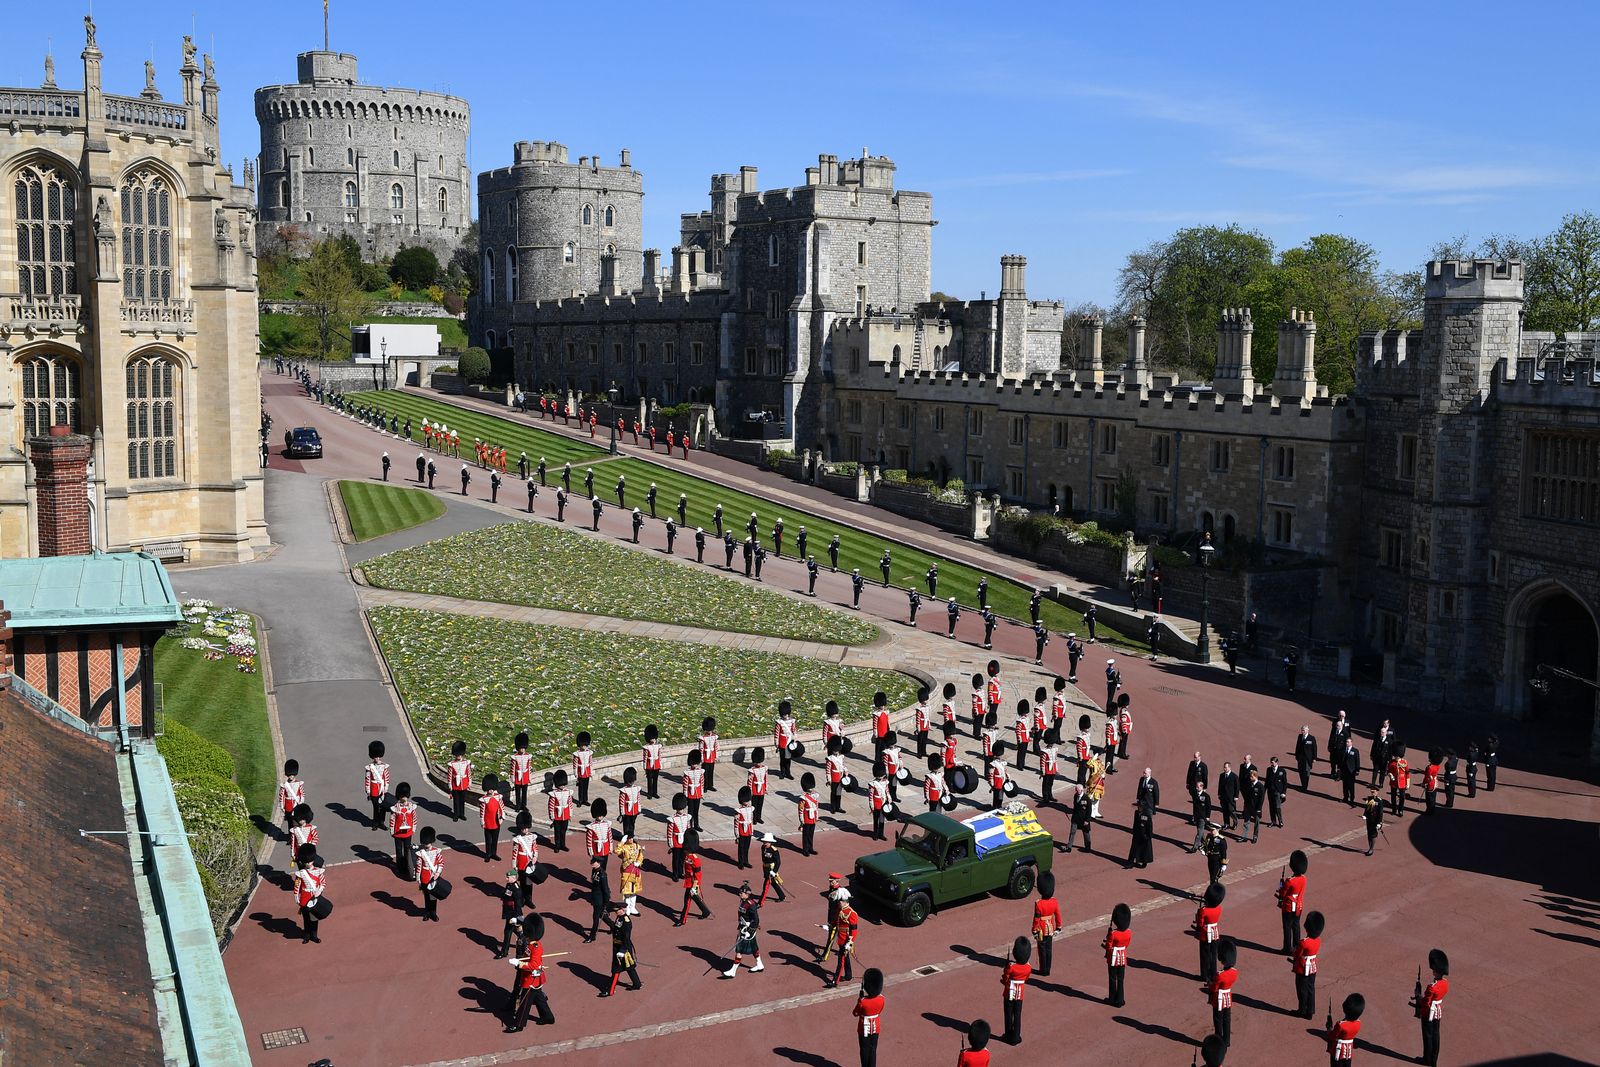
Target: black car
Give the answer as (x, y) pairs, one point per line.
(303, 442)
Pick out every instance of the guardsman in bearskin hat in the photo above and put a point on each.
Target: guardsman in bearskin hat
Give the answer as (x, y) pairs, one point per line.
(430, 873)
(999, 774)
(810, 807)
(1399, 778)
(459, 772)
(303, 832)
(783, 737)
(1046, 921)
(559, 810)
(1117, 941)
(744, 825)
(520, 767)
(693, 880)
(376, 780)
(491, 811)
(1292, 899)
(1304, 965)
(836, 773)
(1428, 1001)
(529, 962)
(403, 825)
(708, 752)
(933, 786)
(694, 786)
(878, 796)
(1342, 1035)
(976, 1051)
(310, 881)
(583, 765)
(291, 791)
(629, 800)
(868, 1012)
(650, 757)
(679, 826)
(525, 854)
(1013, 983)
(755, 779)
(1219, 990)
(1208, 928)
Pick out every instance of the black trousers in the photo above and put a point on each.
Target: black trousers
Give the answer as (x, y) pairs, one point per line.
(1304, 770)
(1291, 930)
(808, 833)
(1430, 1042)
(458, 803)
(1208, 960)
(308, 925)
(1305, 993)
(1115, 977)
(869, 1049)
(402, 858)
(628, 823)
(691, 897)
(1222, 1025)
(1430, 800)
(491, 843)
(1348, 788)
(835, 796)
(922, 744)
(508, 938)
(711, 775)
(1274, 809)
(1489, 772)
(758, 801)
(651, 778)
(430, 904)
(1047, 948)
(1122, 747)
(783, 764)
(1397, 800)
(1230, 815)
(583, 791)
(1472, 779)
(744, 851)
(559, 829)
(877, 823)
(677, 864)
(1012, 1010)
(1048, 788)
(694, 813)
(377, 814)
(521, 794)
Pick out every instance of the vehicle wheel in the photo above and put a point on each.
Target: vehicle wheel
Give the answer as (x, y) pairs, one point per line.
(916, 909)
(1021, 883)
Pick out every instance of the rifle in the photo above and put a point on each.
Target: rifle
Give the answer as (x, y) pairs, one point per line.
(1416, 994)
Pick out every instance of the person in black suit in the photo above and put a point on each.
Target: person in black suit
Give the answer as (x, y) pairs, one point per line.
(1228, 795)
(1254, 792)
(1141, 851)
(1305, 756)
(1337, 734)
(1200, 800)
(1380, 754)
(1198, 777)
(1277, 790)
(1491, 761)
(1148, 795)
(1350, 771)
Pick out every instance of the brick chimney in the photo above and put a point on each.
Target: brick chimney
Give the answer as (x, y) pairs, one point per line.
(5, 647)
(61, 478)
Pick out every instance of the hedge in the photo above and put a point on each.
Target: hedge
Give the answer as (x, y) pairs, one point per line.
(190, 756)
(215, 816)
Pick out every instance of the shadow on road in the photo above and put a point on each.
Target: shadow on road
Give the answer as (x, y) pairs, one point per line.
(1514, 847)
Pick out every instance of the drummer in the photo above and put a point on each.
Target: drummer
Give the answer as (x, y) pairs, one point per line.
(878, 793)
(1000, 775)
(892, 763)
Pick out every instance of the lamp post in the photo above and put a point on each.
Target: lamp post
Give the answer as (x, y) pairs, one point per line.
(611, 417)
(1207, 550)
(383, 349)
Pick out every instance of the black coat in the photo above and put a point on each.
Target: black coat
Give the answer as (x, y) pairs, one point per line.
(1149, 794)
(1201, 803)
(1305, 750)
(1227, 787)
(1143, 848)
(1254, 793)
(1380, 750)
(1081, 812)
(1278, 781)
(1352, 761)
(1336, 735)
(1197, 774)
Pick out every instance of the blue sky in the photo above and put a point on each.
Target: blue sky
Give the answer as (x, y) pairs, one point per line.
(1069, 132)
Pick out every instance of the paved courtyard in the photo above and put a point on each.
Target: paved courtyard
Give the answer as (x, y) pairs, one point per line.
(1503, 882)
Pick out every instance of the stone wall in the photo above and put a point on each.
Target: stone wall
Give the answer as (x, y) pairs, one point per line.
(916, 503)
(1100, 563)
(379, 309)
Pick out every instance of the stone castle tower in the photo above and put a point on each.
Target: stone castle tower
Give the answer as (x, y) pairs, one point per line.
(385, 166)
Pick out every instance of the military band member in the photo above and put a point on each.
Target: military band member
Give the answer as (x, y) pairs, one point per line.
(1292, 899)
(745, 944)
(1074, 654)
(744, 825)
(459, 773)
(1342, 1035)
(1113, 736)
(992, 689)
(679, 826)
(1429, 1004)
(933, 786)
(597, 836)
(1304, 964)
(693, 880)
(302, 831)
(771, 865)
(629, 802)
(976, 1051)
(1124, 729)
(1305, 756)
(650, 757)
(630, 860)
(1116, 944)
(622, 960)
(525, 854)
(512, 903)
(291, 791)
(980, 708)
(403, 826)
(1022, 730)
(891, 763)
(491, 812)
(999, 774)
(1430, 782)
(1208, 928)
(878, 796)
(810, 807)
(430, 871)
(708, 754)
(1049, 764)
(1082, 749)
(922, 721)
(310, 881)
(880, 722)
(1096, 789)
(1041, 718)
(834, 764)
(783, 738)
(951, 743)
(990, 739)
(953, 615)
(1013, 984)
(1046, 921)
(868, 1014)
(844, 940)
(832, 723)
(1399, 779)
(1219, 990)
(559, 810)
(694, 787)
(376, 781)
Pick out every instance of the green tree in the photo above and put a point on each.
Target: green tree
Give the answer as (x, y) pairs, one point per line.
(331, 298)
(464, 264)
(475, 365)
(415, 267)
(1562, 276)
(1182, 284)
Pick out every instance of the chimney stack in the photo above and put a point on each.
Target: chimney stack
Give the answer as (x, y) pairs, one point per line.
(1136, 374)
(1296, 376)
(747, 180)
(1090, 369)
(652, 270)
(61, 479)
(1233, 376)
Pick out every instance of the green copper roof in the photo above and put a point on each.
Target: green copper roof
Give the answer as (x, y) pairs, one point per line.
(97, 590)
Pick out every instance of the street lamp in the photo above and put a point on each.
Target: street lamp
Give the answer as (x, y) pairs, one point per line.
(1207, 550)
(611, 417)
(383, 349)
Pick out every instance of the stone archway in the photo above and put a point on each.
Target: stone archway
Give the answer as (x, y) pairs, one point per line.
(1548, 623)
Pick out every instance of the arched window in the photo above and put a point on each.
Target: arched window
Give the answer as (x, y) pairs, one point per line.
(611, 217)
(146, 237)
(488, 340)
(350, 157)
(444, 200)
(511, 274)
(283, 193)
(569, 254)
(352, 198)
(397, 157)
(488, 275)
(50, 391)
(895, 356)
(311, 153)
(397, 196)
(46, 247)
(152, 418)
(588, 215)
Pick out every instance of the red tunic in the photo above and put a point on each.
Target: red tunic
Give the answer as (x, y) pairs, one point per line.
(1014, 979)
(1208, 923)
(1305, 955)
(1046, 918)
(1342, 1039)
(530, 972)
(1220, 991)
(969, 1058)
(1292, 894)
(868, 1010)
(1431, 1006)
(1116, 946)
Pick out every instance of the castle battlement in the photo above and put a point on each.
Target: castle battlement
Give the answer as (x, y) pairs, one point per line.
(1478, 279)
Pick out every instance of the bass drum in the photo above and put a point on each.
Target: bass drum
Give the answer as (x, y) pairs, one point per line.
(948, 802)
(888, 809)
(847, 781)
(386, 802)
(441, 888)
(963, 780)
(1011, 787)
(321, 908)
(901, 774)
(539, 873)
(846, 745)
(796, 750)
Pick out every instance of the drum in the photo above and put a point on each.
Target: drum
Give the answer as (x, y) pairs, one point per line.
(847, 781)
(846, 745)
(963, 780)
(796, 750)
(948, 802)
(321, 908)
(1011, 787)
(901, 774)
(385, 802)
(888, 809)
(441, 888)
(539, 873)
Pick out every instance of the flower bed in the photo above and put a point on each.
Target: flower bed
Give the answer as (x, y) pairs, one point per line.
(548, 567)
(481, 680)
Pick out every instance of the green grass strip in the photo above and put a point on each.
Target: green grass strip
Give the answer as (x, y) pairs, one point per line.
(515, 438)
(375, 509)
(547, 567)
(482, 680)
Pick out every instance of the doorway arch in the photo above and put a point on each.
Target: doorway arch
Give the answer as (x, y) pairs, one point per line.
(1547, 622)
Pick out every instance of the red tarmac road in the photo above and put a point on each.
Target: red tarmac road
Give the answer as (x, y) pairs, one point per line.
(1505, 883)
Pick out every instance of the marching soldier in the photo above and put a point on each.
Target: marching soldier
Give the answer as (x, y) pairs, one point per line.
(291, 791)
(811, 576)
(693, 880)
(756, 780)
(1342, 1035)
(630, 859)
(650, 757)
(1292, 899)
(679, 826)
(310, 882)
(559, 810)
(376, 778)
(1304, 965)
(620, 924)
(1219, 991)
(1082, 749)
(1305, 756)
(845, 925)
(979, 707)
(430, 872)
(1124, 727)
(1117, 941)
(525, 854)
(1046, 921)
(744, 825)
(868, 1012)
(1014, 983)
(1399, 779)
(783, 730)
(402, 825)
(512, 902)
(771, 864)
(597, 838)
(694, 787)
(459, 772)
(708, 755)
(810, 807)
(628, 800)
(1113, 738)
(1429, 1004)
(1208, 928)
(1372, 815)
(746, 944)
(491, 811)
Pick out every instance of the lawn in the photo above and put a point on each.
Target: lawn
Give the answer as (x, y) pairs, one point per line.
(375, 508)
(545, 566)
(856, 549)
(223, 704)
(482, 680)
(513, 437)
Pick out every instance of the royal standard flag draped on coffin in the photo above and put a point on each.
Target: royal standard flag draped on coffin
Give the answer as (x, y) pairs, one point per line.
(996, 829)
